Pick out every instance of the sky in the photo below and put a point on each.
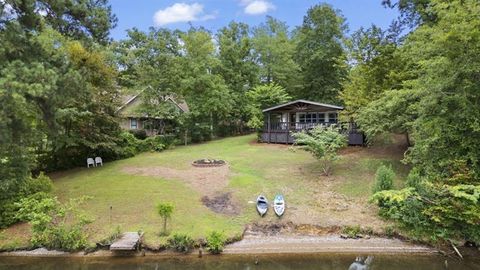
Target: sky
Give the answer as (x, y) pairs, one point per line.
(214, 14)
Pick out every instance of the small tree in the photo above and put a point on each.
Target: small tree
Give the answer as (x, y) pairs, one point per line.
(215, 242)
(323, 143)
(165, 210)
(383, 179)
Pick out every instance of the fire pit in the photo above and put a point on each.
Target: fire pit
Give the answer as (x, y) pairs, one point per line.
(206, 162)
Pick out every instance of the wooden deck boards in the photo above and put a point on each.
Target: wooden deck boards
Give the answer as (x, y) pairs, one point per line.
(128, 241)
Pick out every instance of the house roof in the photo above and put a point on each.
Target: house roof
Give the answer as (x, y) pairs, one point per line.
(308, 102)
(128, 103)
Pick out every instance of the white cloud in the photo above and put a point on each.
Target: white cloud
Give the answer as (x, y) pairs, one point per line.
(257, 7)
(181, 12)
(7, 8)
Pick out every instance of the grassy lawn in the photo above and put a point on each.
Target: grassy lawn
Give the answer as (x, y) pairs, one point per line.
(128, 200)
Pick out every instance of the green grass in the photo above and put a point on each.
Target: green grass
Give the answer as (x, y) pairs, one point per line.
(255, 168)
(359, 177)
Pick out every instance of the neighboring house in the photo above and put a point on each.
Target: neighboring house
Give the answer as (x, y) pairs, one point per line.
(284, 119)
(131, 118)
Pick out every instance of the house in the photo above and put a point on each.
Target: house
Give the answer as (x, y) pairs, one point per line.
(282, 120)
(131, 118)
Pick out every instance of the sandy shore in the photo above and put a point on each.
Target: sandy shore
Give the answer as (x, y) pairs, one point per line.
(260, 244)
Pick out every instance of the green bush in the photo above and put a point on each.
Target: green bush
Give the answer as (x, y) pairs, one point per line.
(352, 231)
(323, 143)
(215, 242)
(383, 179)
(180, 243)
(414, 179)
(54, 225)
(30, 187)
(140, 134)
(128, 145)
(115, 234)
(436, 211)
(154, 143)
(169, 140)
(42, 183)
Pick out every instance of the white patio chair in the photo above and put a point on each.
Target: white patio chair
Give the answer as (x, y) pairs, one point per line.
(90, 162)
(98, 160)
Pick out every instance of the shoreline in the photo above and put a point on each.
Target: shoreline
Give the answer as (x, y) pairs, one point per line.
(264, 245)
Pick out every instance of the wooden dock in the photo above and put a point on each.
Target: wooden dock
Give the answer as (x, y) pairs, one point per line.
(128, 241)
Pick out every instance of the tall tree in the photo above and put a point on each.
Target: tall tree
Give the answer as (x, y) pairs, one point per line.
(376, 67)
(57, 93)
(237, 67)
(205, 90)
(274, 50)
(262, 97)
(78, 19)
(320, 54)
(439, 102)
(412, 12)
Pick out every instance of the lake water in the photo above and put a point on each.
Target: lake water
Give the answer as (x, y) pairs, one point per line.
(244, 262)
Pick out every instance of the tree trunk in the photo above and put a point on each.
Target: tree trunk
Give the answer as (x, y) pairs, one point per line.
(211, 125)
(164, 225)
(407, 139)
(185, 136)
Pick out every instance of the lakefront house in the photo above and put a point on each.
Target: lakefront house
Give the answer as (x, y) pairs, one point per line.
(132, 118)
(282, 120)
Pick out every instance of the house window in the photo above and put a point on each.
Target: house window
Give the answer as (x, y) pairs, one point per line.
(133, 123)
(301, 117)
(321, 117)
(308, 118)
(332, 117)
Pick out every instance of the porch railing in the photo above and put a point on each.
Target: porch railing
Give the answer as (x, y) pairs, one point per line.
(297, 126)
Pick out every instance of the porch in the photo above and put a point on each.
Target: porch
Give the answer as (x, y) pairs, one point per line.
(282, 121)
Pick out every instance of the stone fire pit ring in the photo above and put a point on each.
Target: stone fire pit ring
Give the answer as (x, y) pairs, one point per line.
(207, 162)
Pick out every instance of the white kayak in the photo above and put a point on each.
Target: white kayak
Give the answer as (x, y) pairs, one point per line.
(279, 205)
(262, 205)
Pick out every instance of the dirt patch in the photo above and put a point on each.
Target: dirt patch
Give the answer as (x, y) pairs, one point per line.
(222, 204)
(207, 181)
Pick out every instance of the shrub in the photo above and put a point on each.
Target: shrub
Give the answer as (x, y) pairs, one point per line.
(215, 242)
(41, 183)
(30, 187)
(140, 134)
(154, 143)
(128, 145)
(168, 140)
(352, 231)
(181, 243)
(383, 179)
(414, 179)
(436, 211)
(323, 143)
(115, 234)
(54, 225)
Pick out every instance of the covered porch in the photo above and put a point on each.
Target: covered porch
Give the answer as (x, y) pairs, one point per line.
(281, 121)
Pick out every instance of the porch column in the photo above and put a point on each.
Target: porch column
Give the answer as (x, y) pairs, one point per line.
(288, 127)
(269, 128)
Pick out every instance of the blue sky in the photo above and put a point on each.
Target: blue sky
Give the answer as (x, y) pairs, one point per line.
(214, 14)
